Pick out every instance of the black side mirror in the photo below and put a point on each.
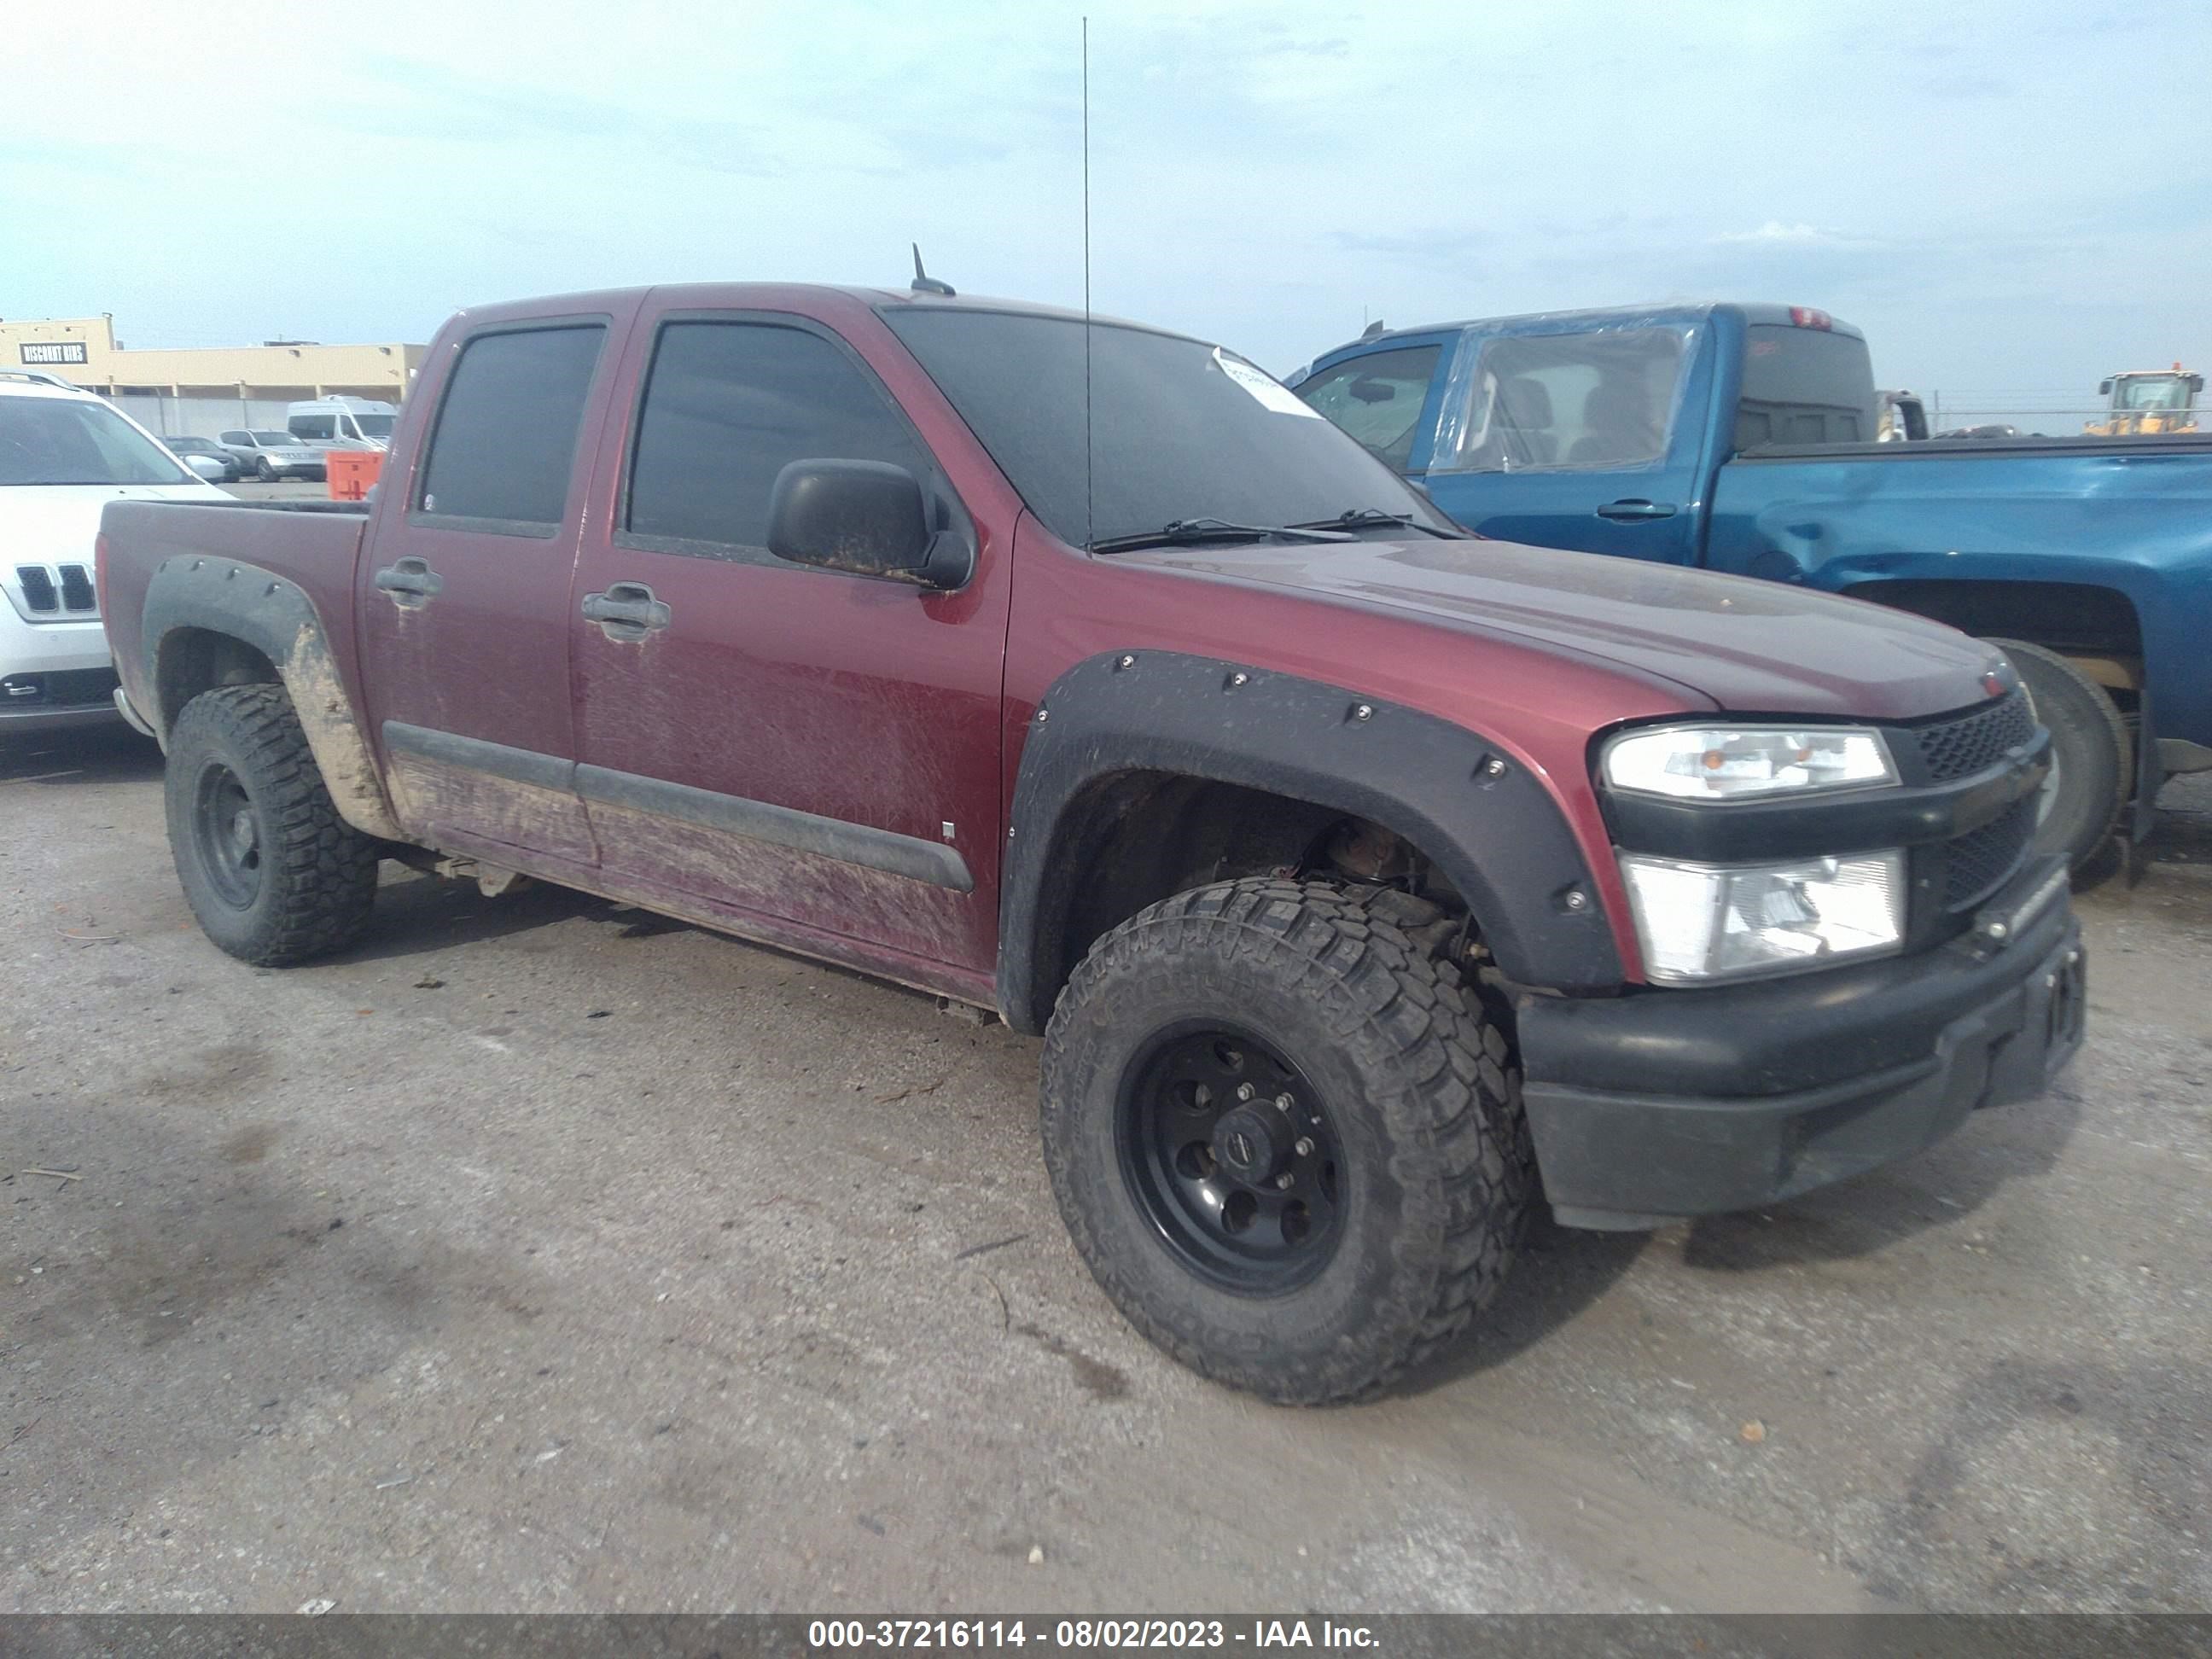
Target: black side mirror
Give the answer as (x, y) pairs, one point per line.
(866, 517)
(2103, 388)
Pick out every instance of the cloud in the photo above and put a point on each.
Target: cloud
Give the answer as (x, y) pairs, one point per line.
(1796, 235)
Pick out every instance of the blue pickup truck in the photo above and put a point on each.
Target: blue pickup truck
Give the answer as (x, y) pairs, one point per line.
(1741, 437)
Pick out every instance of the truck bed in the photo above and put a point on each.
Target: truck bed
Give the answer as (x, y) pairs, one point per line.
(312, 544)
(2188, 443)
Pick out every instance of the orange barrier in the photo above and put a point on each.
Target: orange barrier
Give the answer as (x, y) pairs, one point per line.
(351, 471)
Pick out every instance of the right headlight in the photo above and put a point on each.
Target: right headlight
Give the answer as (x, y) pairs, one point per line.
(1709, 921)
(1731, 763)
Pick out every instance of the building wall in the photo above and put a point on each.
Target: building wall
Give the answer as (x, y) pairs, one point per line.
(84, 349)
(189, 416)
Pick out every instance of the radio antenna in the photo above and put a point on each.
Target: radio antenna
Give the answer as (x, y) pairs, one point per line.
(1090, 526)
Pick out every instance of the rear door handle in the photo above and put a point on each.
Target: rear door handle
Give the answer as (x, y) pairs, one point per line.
(1634, 509)
(627, 611)
(411, 583)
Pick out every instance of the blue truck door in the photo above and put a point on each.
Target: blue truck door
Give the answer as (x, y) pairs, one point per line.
(1582, 437)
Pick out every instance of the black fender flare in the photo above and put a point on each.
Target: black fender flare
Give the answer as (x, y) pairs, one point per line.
(264, 609)
(1491, 827)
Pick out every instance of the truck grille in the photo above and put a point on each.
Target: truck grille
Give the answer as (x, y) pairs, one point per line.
(58, 591)
(1980, 861)
(1965, 743)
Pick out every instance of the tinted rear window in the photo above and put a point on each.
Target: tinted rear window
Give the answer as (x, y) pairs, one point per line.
(506, 438)
(1804, 385)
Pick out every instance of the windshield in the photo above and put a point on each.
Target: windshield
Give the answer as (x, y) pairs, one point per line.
(2152, 392)
(55, 441)
(1181, 430)
(281, 439)
(373, 426)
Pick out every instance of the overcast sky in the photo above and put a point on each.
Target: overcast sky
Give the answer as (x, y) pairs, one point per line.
(2013, 197)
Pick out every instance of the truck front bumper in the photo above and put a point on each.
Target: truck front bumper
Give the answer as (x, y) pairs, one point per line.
(1666, 1103)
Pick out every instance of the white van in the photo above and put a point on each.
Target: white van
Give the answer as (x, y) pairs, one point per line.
(341, 423)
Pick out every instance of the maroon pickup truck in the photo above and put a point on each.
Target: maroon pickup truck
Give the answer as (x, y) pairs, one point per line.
(1368, 882)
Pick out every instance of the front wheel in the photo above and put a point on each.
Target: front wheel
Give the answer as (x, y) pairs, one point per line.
(272, 871)
(263, 471)
(1286, 1140)
(2092, 756)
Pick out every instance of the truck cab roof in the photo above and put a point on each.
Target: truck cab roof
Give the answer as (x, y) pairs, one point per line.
(1670, 311)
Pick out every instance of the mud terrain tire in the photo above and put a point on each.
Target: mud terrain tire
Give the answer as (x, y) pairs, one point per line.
(273, 873)
(1342, 1001)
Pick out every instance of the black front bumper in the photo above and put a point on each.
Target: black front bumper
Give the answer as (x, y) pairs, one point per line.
(1666, 1104)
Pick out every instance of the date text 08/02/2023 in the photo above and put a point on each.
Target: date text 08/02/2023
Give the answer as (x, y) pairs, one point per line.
(1087, 1635)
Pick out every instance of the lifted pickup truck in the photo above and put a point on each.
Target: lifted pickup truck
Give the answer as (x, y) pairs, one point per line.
(1742, 438)
(1357, 872)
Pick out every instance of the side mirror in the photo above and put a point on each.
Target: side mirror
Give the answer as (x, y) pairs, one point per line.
(2197, 383)
(2103, 388)
(866, 517)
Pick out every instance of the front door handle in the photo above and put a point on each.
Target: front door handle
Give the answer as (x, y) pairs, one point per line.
(627, 611)
(411, 583)
(1629, 511)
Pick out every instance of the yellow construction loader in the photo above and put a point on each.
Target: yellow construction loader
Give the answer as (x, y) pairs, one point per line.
(2147, 402)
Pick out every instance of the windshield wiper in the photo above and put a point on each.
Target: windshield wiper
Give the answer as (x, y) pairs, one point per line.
(1182, 532)
(1361, 517)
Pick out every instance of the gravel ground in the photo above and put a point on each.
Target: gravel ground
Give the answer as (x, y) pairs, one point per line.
(538, 1254)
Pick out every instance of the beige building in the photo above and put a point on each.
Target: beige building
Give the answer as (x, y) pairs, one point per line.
(193, 389)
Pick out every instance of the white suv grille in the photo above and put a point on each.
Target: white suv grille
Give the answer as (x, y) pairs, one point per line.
(60, 592)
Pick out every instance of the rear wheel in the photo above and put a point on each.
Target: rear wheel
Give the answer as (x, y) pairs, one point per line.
(2091, 756)
(271, 870)
(1287, 1140)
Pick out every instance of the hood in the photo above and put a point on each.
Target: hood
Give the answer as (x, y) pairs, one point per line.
(1754, 646)
(53, 524)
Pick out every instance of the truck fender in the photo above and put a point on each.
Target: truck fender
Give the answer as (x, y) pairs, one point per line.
(1490, 824)
(258, 608)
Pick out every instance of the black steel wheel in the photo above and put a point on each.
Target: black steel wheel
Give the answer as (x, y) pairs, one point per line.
(1285, 1136)
(227, 836)
(1228, 1149)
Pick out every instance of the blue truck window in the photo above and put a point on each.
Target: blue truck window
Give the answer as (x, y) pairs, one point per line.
(1804, 385)
(1597, 401)
(1378, 400)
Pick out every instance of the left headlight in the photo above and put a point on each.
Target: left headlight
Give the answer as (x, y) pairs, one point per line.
(1706, 921)
(1727, 762)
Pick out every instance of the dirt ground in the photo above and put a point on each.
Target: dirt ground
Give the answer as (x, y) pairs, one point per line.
(536, 1255)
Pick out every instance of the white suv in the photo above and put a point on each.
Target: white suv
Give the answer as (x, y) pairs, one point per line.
(64, 454)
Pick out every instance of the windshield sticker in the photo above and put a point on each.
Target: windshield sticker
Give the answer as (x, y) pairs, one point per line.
(1265, 392)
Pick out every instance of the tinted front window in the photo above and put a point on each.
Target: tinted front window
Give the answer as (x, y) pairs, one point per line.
(1378, 400)
(1804, 385)
(728, 406)
(52, 441)
(506, 438)
(1174, 434)
(1598, 401)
